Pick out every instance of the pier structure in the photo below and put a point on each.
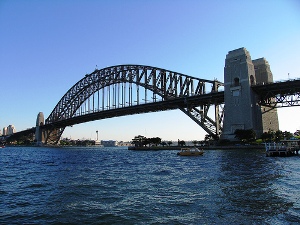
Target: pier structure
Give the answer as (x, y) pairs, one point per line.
(283, 148)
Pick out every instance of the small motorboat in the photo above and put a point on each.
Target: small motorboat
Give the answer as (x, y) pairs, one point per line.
(190, 152)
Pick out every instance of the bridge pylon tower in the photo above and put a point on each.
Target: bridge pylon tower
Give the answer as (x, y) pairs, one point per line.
(242, 112)
(39, 133)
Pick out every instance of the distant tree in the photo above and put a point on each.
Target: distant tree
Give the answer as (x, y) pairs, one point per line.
(85, 142)
(163, 143)
(278, 136)
(155, 140)
(265, 137)
(195, 142)
(245, 135)
(64, 142)
(170, 143)
(287, 135)
(268, 136)
(181, 143)
(147, 141)
(139, 140)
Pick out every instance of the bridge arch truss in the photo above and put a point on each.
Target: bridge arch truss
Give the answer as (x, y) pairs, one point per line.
(107, 92)
(279, 94)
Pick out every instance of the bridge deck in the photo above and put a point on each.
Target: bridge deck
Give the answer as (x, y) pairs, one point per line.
(212, 98)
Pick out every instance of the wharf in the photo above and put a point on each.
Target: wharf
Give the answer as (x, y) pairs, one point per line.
(282, 149)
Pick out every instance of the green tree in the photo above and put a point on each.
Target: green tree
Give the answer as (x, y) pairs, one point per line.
(181, 143)
(268, 136)
(163, 143)
(245, 135)
(278, 136)
(170, 143)
(139, 141)
(287, 135)
(155, 140)
(147, 141)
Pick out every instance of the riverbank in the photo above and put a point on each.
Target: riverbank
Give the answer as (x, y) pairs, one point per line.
(212, 147)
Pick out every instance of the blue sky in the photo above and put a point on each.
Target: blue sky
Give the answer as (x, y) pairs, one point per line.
(47, 46)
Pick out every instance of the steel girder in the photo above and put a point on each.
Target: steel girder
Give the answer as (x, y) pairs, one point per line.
(53, 134)
(167, 84)
(281, 94)
(199, 114)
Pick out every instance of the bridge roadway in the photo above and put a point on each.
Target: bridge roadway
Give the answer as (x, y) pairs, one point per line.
(265, 92)
(280, 91)
(171, 104)
(176, 103)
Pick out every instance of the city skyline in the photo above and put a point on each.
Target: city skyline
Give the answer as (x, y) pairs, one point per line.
(46, 47)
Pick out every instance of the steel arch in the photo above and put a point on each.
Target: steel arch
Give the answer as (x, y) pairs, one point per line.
(164, 83)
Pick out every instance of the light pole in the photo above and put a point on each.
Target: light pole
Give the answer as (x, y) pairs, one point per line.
(97, 135)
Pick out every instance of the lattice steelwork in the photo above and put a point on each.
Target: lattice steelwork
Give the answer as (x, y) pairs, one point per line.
(128, 86)
(280, 94)
(282, 101)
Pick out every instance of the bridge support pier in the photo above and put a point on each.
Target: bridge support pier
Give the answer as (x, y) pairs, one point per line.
(53, 135)
(39, 134)
(241, 109)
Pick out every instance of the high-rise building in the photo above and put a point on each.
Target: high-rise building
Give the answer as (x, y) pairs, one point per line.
(4, 131)
(11, 129)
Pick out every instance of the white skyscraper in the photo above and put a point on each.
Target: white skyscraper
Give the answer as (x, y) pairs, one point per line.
(11, 129)
(4, 131)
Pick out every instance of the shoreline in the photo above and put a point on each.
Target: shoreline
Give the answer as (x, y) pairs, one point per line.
(227, 147)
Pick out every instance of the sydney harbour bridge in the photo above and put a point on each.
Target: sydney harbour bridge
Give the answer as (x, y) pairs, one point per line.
(134, 89)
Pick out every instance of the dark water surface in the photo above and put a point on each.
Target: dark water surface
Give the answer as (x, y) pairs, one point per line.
(118, 186)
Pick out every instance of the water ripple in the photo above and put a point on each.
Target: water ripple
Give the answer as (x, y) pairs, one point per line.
(117, 186)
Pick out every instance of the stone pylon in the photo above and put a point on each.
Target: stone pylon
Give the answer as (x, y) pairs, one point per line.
(267, 115)
(39, 134)
(241, 108)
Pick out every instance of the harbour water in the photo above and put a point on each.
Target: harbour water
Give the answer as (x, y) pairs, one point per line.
(117, 186)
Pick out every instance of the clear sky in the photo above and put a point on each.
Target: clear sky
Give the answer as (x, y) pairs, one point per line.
(47, 46)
